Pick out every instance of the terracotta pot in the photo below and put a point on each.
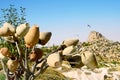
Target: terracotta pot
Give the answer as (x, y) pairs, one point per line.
(11, 27)
(32, 37)
(70, 42)
(54, 60)
(68, 50)
(4, 31)
(89, 60)
(22, 30)
(39, 52)
(5, 52)
(33, 56)
(36, 54)
(12, 64)
(44, 37)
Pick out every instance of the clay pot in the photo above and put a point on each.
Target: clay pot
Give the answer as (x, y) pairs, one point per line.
(4, 52)
(7, 30)
(36, 54)
(54, 60)
(22, 30)
(89, 60)
(67, 51)
(75, 61)
(12, 64)
(33, 56)
(44, 37)
(32, 37)
(11, 27)
(4, 31)
(70, 42)
(39, 52)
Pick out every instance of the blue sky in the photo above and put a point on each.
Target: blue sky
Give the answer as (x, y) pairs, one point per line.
(69, 18)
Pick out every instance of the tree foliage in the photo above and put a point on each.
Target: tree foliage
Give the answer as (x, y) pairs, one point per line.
(13, 15)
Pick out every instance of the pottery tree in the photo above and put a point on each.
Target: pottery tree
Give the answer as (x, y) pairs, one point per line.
(16, 62)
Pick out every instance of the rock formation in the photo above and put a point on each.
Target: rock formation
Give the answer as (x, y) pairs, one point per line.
(94, 36)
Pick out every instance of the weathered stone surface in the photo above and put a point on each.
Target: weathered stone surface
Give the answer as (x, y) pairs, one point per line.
(94, 36)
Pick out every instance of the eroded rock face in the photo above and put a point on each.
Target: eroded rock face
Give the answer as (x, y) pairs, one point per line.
(94, 36)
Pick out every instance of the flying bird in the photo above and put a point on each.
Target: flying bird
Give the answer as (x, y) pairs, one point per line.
(88, 26)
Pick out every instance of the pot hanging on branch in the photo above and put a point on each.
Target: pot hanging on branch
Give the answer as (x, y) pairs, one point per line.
(33, 56)
(7, 29)
(54, 60)
(89, 59)
(22, 30)
(70, 42)
(44, 37)
(4, 52)
(39, 52)
(4, 31)
(68, 51)
(12, 64)
(32, 37)
(36, 54)
(11, 27)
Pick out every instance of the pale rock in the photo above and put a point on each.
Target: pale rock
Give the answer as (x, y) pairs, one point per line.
(94, 36)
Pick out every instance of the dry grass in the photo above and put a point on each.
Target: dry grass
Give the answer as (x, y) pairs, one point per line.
(51, 74)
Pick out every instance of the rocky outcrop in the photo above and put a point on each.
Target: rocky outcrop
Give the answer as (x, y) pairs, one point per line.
(94, 36)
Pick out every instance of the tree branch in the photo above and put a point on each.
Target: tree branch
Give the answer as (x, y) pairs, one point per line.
(4, 69)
